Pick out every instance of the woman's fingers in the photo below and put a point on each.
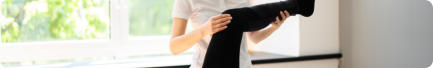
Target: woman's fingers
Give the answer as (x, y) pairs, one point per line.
(214, 20)
(225, 23)
(222, 20)
(221, 16)
(219, 25)
(283, 16)
(287, 14)
(277, 20)
(220, 29)
(222, 25)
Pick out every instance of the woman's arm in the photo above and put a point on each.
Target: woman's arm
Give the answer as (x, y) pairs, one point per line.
(180, 41)
(257, 36)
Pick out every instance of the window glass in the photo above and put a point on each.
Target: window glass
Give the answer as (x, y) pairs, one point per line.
(150, 17)
(45, 20)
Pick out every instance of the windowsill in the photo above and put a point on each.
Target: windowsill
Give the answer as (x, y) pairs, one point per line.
(179, 61)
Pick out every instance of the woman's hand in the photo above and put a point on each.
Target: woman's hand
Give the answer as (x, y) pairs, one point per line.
(257, 36)
(216, 24)
(279, 22)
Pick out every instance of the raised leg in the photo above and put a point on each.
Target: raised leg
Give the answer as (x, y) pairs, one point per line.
(224, 48)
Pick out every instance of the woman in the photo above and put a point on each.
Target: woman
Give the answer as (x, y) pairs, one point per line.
(205, 17)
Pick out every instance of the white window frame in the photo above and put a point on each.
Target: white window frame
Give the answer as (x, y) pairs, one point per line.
(118, 45)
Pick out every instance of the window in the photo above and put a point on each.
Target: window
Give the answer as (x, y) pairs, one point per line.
(37, 32)
(150, 17)
(48, 20)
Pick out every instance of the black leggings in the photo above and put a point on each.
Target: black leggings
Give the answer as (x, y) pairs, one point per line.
(224, 48)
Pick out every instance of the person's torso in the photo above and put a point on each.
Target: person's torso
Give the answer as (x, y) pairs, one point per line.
(202, 11)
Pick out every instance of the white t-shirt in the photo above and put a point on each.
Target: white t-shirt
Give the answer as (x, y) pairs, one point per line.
(198, 12)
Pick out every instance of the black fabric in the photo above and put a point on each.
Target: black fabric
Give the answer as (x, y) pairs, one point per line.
(224, 48)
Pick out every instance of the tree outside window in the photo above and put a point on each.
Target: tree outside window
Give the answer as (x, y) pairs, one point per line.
(43, 20)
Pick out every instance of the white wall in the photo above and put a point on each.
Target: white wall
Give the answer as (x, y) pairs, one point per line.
(319, 33)
(300, 36)
(431, 66)
(386, 33)
(285, 40)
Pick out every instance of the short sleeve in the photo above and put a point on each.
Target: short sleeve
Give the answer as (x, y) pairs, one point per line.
(182, 9)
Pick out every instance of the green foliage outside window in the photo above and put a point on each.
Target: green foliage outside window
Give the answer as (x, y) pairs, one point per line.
(150, 17)
(40, 20)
